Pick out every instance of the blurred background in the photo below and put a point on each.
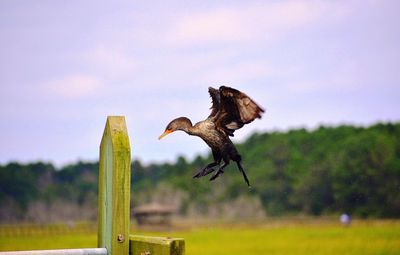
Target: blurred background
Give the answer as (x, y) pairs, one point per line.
(327, 73)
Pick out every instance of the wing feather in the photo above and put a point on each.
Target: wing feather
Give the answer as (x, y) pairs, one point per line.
(235, 110)
(215, 100)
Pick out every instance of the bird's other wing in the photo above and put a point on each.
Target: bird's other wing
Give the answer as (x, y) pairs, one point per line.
(215, 98)
(236, 110)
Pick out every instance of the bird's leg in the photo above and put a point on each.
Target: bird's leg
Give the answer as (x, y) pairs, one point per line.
(206, 170)
(243, 172)
(219, 172)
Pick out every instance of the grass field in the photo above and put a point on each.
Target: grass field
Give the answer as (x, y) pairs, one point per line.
(281, 237)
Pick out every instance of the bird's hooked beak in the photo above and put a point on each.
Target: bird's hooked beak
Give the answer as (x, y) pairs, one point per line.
(168, 131)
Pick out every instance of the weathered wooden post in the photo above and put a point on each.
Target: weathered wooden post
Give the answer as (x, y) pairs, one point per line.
(114, 204)
(114, 187)
(114, 199)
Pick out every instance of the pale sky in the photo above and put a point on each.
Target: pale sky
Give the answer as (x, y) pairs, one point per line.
(66, 65)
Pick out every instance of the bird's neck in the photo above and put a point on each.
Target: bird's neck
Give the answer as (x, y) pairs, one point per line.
(197, 129)
(189, 129)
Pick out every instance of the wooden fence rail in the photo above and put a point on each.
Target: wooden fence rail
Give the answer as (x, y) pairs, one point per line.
(114, 199)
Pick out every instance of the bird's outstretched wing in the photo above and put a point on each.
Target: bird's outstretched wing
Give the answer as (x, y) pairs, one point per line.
(216, 99)
(235, 110)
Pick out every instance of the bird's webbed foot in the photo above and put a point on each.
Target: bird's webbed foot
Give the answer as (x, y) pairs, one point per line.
(215, 176)
(206, 170)
(219, 172)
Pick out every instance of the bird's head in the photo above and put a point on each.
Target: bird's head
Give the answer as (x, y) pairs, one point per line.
(181, 123)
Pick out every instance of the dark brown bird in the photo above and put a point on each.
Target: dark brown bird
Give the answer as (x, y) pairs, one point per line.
(230, 110)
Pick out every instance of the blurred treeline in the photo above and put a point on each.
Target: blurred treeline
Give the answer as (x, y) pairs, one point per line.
(329, 170)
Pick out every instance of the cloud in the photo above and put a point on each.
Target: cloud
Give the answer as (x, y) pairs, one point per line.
(266, 21)
(241, 72)
(218, 25)
(110, 61)
(72, 86)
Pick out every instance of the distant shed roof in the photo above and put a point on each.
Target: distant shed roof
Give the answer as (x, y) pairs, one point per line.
(153, 208)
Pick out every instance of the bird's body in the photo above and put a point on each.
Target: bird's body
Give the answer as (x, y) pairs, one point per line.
(220, 144)
(214, 138)
(231, 109)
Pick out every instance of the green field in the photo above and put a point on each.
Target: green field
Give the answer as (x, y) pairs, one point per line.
(280, 237)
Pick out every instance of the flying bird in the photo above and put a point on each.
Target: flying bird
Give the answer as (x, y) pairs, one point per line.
(230, 110)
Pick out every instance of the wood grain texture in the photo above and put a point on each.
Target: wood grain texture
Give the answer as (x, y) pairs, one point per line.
(149, 245)
(114, 187)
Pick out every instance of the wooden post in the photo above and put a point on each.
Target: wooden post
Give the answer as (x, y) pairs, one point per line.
(114, 188)
(114, 203)
(149, 245)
